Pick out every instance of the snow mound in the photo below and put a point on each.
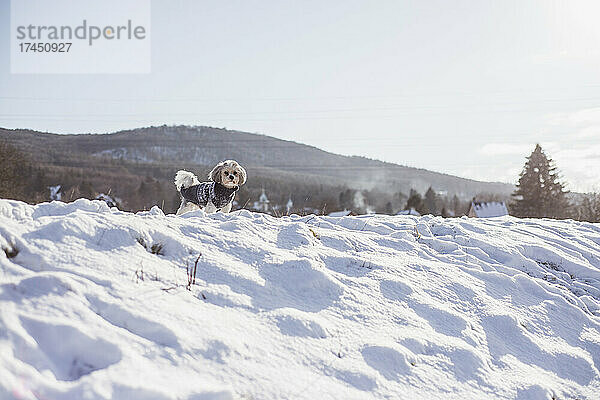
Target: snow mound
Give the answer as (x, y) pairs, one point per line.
(94, 304)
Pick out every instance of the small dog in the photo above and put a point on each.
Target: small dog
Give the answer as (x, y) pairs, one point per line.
(226, 178)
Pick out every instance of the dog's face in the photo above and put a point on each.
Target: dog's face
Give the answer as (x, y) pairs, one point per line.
(228, 173)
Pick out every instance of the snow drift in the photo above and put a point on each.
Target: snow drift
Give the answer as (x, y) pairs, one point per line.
(94, 305)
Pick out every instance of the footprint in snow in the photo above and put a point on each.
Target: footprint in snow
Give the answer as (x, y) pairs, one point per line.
(390, 363)
(216, 350)
(140, 326)
(302, 284)
(534, 392)
(506, 336)
(68, 352)
(296, 323)
(42, 284)
(358, 380)
(463, 363)
(440, 320)
(395, 290)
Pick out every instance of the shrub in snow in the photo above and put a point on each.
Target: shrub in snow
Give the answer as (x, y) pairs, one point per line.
(154, 248)
(10, 250)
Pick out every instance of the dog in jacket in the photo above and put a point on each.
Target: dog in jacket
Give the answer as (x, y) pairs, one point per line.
(217, 195)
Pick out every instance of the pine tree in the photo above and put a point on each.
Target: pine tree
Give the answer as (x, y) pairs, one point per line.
(456, 206)
(539, 192)
(398, 200)
(388, 208)
(346, 199)
(430, 201)
(415, 201)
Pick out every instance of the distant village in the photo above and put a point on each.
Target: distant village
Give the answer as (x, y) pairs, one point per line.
(539, 193)
(477, 209)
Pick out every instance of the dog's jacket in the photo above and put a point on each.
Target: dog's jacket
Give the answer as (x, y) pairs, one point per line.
(206, 192)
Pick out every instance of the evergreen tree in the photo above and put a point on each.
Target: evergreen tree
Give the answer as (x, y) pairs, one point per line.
(414, 201)
(539, 193)
(456, 206)
(346, 199)
(398, 200)
(388, 208)
(430, 206)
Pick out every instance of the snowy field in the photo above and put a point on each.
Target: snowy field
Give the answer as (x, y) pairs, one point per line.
(94, 305)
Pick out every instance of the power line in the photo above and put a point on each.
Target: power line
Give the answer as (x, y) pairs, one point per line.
(310, 98)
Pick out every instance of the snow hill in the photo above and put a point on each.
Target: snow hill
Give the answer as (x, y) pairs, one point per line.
(94, 305)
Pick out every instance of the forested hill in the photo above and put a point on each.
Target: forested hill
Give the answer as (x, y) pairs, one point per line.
(204, 146)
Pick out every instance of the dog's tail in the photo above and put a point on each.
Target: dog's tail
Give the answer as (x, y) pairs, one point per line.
(185, 179)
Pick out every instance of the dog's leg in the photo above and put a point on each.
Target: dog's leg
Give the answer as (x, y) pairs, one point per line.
(181, 207)
(226, 209)
(186, 207)
(210, 208)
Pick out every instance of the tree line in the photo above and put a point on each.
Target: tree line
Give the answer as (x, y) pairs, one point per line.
(539, 193)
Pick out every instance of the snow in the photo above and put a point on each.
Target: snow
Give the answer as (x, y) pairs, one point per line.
(313, 307)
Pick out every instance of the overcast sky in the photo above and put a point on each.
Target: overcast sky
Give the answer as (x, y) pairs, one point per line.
(462, 87)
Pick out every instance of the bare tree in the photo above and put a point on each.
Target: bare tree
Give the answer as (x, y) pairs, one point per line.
(589, 209)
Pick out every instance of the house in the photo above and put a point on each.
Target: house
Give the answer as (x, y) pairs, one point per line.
(55, 193)
(488, 209)
(344, 213)
(411, 211)
(262, 204)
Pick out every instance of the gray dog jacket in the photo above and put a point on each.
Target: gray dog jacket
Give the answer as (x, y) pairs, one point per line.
(216, 193)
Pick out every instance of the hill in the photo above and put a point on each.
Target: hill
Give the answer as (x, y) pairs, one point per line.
(95, 305)
(282, 167)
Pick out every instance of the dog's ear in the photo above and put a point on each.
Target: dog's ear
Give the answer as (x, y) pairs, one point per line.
(243, 175)
(215, 174)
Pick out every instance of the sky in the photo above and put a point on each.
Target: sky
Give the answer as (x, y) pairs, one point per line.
(460, 87)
